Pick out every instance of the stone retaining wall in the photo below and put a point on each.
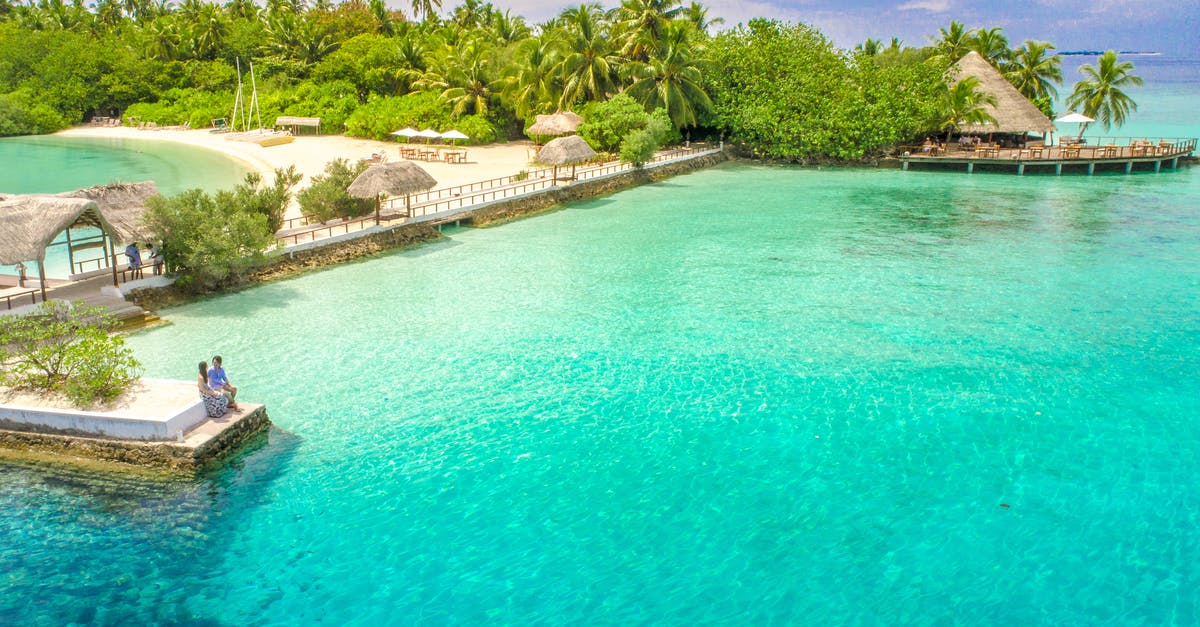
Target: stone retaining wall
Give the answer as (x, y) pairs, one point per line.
(168, 456)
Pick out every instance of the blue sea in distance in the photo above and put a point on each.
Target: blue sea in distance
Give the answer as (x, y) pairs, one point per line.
(751, 395)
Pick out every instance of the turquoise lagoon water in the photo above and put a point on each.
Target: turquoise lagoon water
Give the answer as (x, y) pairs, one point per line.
(51, 164)
(750, 395)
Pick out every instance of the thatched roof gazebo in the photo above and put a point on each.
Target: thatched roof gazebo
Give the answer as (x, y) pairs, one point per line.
(1013, 112)
(123, 205)
(117, 210)
(561, 123)
(570, 150)
(391, 179)
(28, 224)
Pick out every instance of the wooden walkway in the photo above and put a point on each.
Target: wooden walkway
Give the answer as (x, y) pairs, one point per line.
(1117, 155)
(454, 203)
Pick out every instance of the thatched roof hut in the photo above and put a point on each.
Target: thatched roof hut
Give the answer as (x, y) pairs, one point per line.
(123, 205)
(1013, 112)
(400, 178)
(391, 179)
(561, 123)
(568, 150)
(29, 223)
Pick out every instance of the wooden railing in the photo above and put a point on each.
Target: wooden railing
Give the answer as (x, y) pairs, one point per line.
(1088, 148)
(20, 296)
(446, 199)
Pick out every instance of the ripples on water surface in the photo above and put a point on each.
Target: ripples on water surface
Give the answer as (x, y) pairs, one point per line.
(749, 395)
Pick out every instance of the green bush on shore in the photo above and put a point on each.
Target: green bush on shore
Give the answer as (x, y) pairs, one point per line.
(66, 348)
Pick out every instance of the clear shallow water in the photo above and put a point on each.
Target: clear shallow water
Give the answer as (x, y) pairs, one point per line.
(750, 395)
(746, 396)
(51, 164)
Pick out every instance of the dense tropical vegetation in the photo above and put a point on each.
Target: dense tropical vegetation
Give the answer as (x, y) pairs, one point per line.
(782, 91)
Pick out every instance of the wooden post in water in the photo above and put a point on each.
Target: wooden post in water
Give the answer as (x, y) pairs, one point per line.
(970, 167)
(1058, 169)
(1157, 166)
(1091, 169)
(1020, 169)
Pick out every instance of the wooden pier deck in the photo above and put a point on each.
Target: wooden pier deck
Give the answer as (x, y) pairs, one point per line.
(1105, 154)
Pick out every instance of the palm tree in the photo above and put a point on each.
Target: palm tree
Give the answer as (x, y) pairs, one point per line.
(531, 85)
(953, 42)
(588, 67)
(425, 8)
(640, 25)
(992, 45)
(1034, 71)
(963, 103)
(208, 31)
(509, 28)
(870, 47)
(464, 78)
(697, 14)
(896, 45)
(1101, 94)
(672, 78)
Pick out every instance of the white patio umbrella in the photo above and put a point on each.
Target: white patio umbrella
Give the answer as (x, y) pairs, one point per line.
(1076, 118)
(454, 134)
(429, 134)
(406, 132)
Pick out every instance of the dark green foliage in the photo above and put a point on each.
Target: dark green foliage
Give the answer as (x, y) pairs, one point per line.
(326, 197)
(607, 123)
(638, 147)
(251, 196)
(65, 347)
(785, 92)
(212, 242)
(418, 110)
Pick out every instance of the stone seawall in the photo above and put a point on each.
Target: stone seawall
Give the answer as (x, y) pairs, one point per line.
(186, 457)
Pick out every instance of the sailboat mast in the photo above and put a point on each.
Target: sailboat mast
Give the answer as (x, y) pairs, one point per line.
(254, 108)
(237, 101)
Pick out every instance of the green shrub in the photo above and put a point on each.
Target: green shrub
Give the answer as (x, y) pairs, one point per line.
(606, 124)
(65, 347)
(326, 198)
(250, 196)
(209, 243)
(639, 146)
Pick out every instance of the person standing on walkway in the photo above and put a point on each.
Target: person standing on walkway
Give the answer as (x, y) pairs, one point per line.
(135, 261)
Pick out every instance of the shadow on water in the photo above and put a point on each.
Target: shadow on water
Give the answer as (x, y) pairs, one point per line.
(137, 542)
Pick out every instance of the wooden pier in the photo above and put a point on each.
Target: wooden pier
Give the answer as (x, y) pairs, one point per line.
(1103, 154)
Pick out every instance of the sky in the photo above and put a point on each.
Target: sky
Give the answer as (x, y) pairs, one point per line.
(1169, 26)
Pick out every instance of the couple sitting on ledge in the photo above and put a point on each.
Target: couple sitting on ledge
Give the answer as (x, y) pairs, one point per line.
(216, 391)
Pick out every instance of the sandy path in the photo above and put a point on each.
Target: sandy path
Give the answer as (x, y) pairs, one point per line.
(310, 154)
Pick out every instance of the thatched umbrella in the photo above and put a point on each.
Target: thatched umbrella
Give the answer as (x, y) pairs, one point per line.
(29, 223)
(391, 179)
(561, 123)
(570, 150)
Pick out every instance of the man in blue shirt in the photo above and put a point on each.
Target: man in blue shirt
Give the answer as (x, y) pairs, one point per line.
(219, 382)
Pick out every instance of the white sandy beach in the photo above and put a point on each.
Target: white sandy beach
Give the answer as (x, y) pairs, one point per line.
(310, 153)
